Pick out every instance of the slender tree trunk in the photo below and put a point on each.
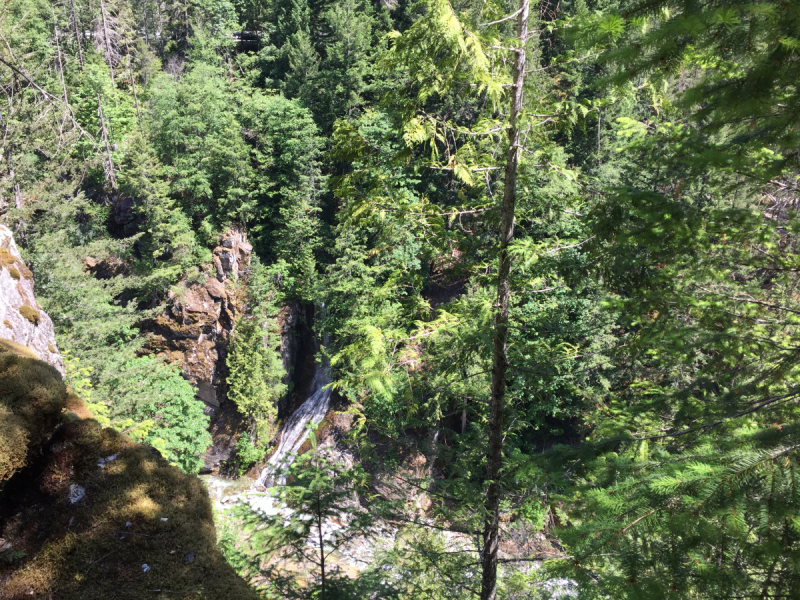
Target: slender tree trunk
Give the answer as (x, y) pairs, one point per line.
(77, 37)
(186, 19)
(111, 176)
(106, 41)
(321, 545)
(146, 33)
(133, 87)
(494, 455)
(160, 25)
(58, 51)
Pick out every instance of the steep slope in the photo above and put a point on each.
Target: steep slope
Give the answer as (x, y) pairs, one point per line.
(85, 512)
(93, 514)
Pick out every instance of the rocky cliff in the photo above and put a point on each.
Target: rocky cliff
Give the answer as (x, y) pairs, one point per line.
(21, 318)
(193, 332)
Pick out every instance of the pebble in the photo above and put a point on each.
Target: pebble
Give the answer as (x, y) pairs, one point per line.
(76, 492)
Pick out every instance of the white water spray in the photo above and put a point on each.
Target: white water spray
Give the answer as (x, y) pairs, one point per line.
(295, 430)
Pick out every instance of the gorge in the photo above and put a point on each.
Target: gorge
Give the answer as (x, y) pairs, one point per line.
(399, 299)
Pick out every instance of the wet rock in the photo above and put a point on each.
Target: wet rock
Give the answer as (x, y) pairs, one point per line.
(21, 318)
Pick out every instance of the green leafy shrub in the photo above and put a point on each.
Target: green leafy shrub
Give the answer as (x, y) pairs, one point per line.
(160, 405)
(248, 453)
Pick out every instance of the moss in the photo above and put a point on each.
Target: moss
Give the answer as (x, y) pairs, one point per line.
(13, 443)
(15, 266)
(51, 348)
(78, 407)
(32, 396)
(6, 258)
(8, 324)
(12, 347)
(26, 272)
(30, 313)
(138, 510)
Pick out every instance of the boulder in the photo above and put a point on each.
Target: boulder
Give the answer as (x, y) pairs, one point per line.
(21, 318)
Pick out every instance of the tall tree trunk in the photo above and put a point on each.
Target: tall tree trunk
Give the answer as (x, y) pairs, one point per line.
(186, 19)
(321, 544)
(146, 33)
(60, 64)
(160, 25)
(77, 37)
(111, 176)
(106, 40)
(494, 455)
(133, 87)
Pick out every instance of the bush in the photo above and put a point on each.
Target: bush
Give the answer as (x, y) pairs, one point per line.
(148, 392)
(248, 453)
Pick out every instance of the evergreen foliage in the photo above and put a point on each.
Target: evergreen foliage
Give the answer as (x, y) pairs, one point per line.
(651, 372)
(255, 376)
(146, 389)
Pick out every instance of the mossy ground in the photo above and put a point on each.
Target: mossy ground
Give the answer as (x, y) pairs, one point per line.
(32, 397)
(137, 509)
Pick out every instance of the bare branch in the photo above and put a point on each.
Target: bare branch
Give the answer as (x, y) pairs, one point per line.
(508, 18)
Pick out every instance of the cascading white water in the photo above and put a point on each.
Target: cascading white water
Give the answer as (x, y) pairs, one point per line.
(295, 430)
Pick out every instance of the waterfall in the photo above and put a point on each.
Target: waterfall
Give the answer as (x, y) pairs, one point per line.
(295, 431)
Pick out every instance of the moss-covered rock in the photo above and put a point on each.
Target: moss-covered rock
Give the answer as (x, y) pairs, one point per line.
(89, 513)
(32, 396)
(30, 313)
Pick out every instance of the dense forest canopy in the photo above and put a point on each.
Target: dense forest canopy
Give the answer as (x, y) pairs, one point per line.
(555, 243)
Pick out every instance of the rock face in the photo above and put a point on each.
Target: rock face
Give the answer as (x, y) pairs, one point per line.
(21, 318)
(232, 254)
(193, 332)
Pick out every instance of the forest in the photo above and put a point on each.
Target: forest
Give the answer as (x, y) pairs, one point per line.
(542, 252)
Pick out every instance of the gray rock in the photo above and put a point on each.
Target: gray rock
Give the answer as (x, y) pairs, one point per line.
(21, 318)
(76, 493)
